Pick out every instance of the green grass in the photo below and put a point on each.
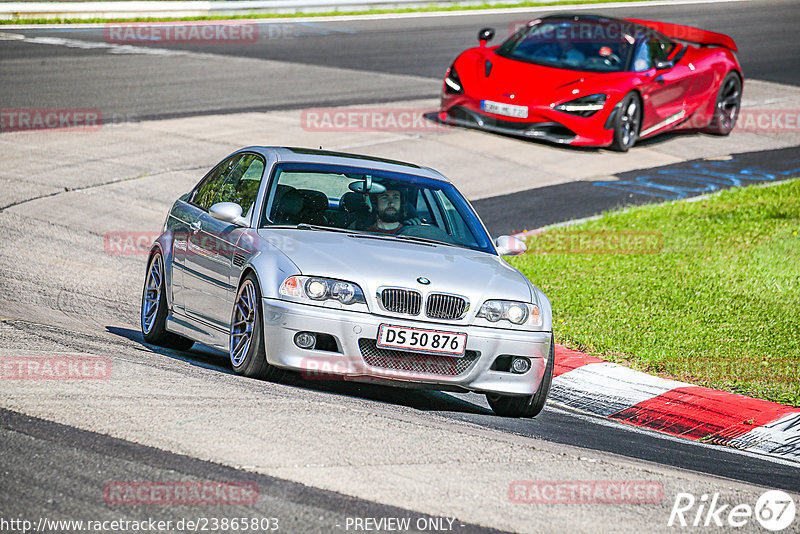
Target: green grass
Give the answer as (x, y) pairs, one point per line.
(325, 14)
(718, 305)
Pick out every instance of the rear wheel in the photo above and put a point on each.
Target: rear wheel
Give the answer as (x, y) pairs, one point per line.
(246, 350)
(726, 110)
(154, 309)
(627, 120)
(507, 406)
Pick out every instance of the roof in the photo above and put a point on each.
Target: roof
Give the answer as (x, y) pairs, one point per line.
(310, 155)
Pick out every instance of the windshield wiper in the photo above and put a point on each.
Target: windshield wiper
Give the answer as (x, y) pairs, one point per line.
(306, 226)
(421, 239)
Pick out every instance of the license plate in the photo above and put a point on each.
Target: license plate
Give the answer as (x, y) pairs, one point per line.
(509, 110)
(420, 340)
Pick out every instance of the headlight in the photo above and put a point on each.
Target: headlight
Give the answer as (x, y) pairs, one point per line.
(321, 289)
(585, 106)
(520, 313)
(452, 83)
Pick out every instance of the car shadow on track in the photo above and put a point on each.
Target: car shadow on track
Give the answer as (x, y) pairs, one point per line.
(216, 360)
(650, 141)
(433, 117)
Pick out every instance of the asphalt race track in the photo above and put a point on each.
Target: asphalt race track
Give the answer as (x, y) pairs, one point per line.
(130, 85)
(320, 452)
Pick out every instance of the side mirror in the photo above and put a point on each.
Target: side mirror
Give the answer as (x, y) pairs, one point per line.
(510, 246)
(228, 212)
(485, 35)
(664, 65)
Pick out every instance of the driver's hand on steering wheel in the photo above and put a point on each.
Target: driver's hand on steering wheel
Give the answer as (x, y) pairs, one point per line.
(413, 221)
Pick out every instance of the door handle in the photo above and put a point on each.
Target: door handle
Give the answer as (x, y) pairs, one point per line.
(195, 226)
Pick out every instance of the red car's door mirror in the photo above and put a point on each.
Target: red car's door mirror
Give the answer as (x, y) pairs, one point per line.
(485, 35)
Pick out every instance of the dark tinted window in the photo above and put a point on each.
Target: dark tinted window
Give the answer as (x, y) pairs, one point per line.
(206, 191)
(649, 52)
(242, 183)
(334, 196)
(589, 45)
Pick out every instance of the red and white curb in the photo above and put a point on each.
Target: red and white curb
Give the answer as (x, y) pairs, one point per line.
(698, 413)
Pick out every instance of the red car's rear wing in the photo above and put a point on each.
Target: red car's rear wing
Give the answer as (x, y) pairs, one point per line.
(688, 33)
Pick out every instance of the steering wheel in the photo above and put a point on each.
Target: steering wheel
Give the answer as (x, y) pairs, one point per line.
(427, 231)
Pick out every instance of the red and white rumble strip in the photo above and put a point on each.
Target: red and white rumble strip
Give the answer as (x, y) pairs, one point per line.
(602, 388)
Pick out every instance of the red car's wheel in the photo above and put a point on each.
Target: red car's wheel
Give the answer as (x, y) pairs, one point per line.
(726, 110)
(627, 121)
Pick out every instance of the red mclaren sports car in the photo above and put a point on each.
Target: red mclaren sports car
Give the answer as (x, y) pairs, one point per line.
(597, 81)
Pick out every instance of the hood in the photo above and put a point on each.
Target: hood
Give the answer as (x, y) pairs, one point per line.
(531, 84)
(375, 261)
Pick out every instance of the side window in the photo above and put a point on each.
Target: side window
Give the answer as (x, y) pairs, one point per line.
(659, 50)
(207, 189)
(242, 183)
(641, 57)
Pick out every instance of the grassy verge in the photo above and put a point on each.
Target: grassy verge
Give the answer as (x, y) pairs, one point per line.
(325, 14)
(707, 292)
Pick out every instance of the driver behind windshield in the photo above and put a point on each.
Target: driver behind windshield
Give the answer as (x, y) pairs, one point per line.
(388, 208)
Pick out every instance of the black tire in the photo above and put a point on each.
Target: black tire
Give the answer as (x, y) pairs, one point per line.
(249, 360)
(727, 105)
(154, 309)
(627, 122)
(528, 407)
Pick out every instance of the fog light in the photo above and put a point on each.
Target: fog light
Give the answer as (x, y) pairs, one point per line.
(305, 340)
(520, 365)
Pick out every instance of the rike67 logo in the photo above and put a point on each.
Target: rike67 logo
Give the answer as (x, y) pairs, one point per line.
(774, 510)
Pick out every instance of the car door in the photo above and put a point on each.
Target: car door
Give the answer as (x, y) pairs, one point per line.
(187, 223)
(209, 285)
(665, 94)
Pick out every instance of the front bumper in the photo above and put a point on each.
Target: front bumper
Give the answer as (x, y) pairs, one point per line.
(356, 357)
(542, 123)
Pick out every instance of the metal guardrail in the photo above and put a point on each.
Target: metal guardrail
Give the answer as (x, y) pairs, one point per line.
(155, 9)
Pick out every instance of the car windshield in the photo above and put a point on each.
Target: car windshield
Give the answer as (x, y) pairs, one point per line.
(587, 45)
(326, 197)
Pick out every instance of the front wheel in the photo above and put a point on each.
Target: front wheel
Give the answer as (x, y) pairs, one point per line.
(154, 309)
(507, 406)
(627, 120)
(726, 109)
(246, 350)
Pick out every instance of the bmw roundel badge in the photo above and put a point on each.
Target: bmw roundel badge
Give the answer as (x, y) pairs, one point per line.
(424, 281)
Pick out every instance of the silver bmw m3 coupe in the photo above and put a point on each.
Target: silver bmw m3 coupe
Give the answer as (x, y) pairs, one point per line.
(348, 266)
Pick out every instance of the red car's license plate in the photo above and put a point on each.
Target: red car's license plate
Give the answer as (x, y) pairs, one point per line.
(417, 339)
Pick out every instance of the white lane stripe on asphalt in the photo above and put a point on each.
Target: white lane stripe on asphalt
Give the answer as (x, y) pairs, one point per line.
(92, 45)
(416, 15)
